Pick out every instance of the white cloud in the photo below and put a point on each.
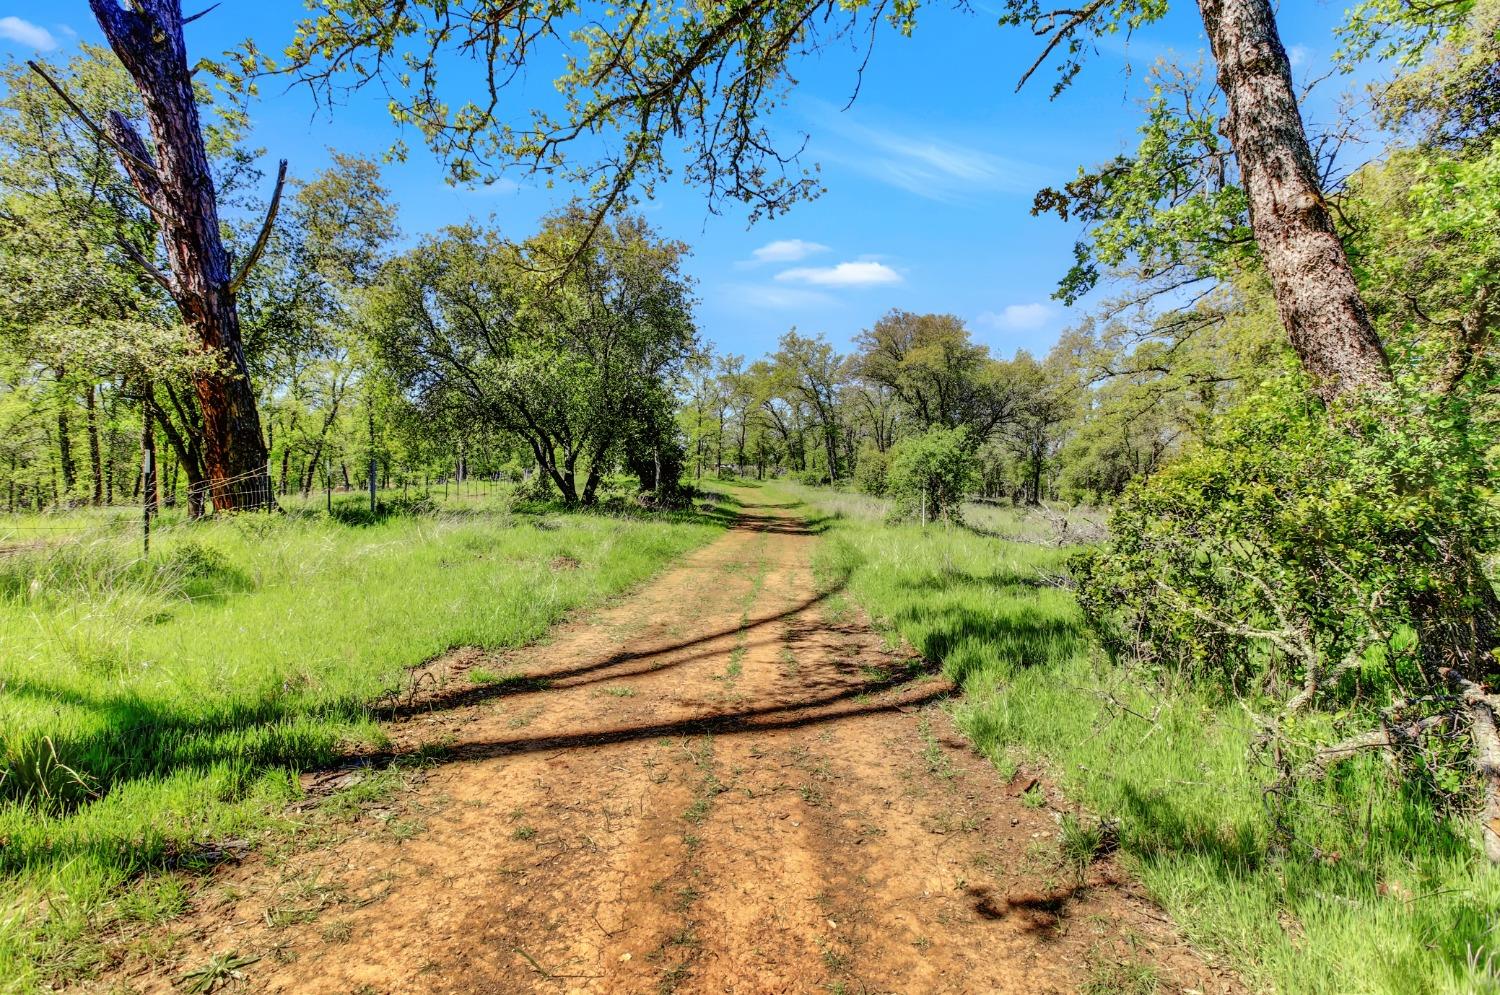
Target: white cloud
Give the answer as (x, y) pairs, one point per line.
(787, 250)
(1298, 54)
(850, 274)
(768, 297)
(1018, 317)
(28, 34)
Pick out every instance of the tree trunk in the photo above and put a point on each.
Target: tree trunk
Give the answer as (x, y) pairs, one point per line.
(1316, 294)
(65, 438)
(178, 187)
(185, 449)
(96, 462)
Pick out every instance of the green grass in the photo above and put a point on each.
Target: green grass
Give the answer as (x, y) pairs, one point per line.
(152, 705)
(1369, 890)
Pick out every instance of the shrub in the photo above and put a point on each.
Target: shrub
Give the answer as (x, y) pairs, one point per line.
(812, 478)
(934, 471)
(870, 470)
(1290, 559)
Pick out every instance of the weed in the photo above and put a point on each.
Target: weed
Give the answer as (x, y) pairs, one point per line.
(813, 795)
(153, 900)
(1078, 842)
(936, 760)
(338, 931)
(404, 829)
(523, 833)
(1108, 977)
(220, 970)
(523, 719)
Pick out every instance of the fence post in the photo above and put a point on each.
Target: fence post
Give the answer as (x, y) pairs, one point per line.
(924, 506)
(372, 485)
(328, 482)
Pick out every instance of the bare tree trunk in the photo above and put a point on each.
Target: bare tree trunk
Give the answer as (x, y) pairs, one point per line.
(1316, 293)
(178, 187)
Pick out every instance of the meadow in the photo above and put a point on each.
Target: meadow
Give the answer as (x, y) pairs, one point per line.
(155, 706)
(1351, 885)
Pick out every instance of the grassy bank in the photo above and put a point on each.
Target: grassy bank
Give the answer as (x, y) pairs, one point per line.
(152, 705)
(1367, 890)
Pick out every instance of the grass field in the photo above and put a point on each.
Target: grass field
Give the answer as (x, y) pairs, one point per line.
(1363, 890)
(152, 705)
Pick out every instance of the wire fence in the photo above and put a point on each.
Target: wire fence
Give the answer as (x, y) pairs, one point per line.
(158, 509)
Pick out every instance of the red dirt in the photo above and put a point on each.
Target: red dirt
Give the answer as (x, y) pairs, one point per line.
(718, 789)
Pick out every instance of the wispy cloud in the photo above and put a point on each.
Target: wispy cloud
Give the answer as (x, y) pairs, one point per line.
(928, 165)
(849, 274)
(1018, 317)
(25, 33)
(787, 250)
(1298, 54)
(770, 297)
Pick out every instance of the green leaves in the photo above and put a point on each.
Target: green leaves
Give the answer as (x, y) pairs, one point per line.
(1293, 541)
(929, 474)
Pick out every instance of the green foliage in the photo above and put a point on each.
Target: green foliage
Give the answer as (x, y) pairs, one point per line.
(1173, 210)
(932, 366)
(930, 474)
(569, 344)
(870, 470)
(1290, 542)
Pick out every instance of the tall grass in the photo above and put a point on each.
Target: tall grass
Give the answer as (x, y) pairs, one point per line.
(1364, 888)
(151, 704)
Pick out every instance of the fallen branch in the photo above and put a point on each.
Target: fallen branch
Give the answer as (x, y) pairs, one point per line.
(1387, 737)
(1481, 709)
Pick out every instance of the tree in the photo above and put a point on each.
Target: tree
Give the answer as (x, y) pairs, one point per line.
(939, 374)
(485, 332)
(1043, 403)
(930, 474)
(176, 185)
(808, 371)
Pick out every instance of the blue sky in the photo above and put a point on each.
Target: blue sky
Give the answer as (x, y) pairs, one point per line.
(929, 175)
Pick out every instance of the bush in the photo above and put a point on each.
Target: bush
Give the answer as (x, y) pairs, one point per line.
(1291, 557)
(870, 470)
(812, 478)
(934, 470)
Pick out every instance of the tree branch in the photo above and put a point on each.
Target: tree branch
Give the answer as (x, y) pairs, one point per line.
(265, 232)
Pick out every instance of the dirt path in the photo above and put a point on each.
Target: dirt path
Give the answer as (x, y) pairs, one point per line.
(710, 786)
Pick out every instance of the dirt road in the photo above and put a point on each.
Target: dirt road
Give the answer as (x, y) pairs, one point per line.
(710, 786)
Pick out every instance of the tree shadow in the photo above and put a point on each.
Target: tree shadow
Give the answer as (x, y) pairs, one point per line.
(909, 687)
(968, 642)
(999, 580)
(604, 669)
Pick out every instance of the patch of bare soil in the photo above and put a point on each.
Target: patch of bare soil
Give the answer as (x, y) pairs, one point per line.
(715, 785)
